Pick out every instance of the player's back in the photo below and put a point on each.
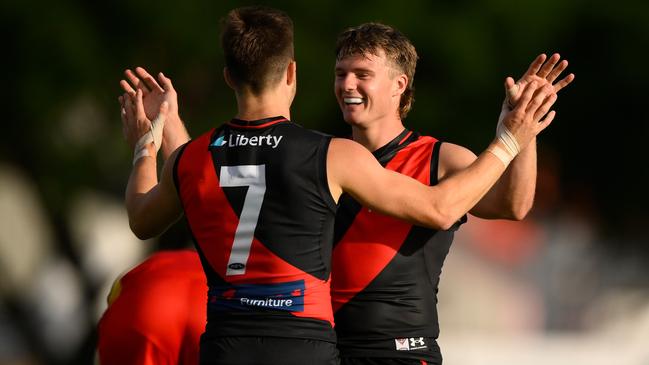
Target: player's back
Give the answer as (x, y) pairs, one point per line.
(256, 197)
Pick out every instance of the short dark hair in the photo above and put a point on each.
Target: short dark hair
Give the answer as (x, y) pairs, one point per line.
(370, 38)
(257, 44)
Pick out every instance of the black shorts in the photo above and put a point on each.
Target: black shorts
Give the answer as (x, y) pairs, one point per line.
(380, 361)
(267, 350)
(402, 351)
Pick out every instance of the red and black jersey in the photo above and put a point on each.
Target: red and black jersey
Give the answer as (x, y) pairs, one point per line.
(386, 271)
(156, 313)
(257, 201)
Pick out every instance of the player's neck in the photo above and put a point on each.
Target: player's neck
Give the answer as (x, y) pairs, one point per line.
(377, 135)
(265, 105)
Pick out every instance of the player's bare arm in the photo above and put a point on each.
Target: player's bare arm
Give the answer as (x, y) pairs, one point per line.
(152, 206)
(153, 94)
(512, 196)
(352, 169)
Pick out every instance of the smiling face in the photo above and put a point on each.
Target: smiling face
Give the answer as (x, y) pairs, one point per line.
(368, 89)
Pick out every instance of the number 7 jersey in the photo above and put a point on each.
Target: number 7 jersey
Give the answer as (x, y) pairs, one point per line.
(256, 198)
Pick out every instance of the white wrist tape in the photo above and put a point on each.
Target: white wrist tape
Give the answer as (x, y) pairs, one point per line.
(512, 148)
(504, 135)
(153, 135)
(508, 139)
(502, 155)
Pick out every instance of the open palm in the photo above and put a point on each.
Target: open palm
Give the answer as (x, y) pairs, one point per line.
(152, 93)
(542, 72)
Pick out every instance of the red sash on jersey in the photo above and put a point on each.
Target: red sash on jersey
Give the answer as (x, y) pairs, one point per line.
(373, 239)
(269, 282)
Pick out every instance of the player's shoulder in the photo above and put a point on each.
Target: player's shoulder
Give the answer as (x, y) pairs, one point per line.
(347, 146)
(346, 155)
(198, 143)
(453, 157)
(300, 130)
(320, 134)
(451, 149)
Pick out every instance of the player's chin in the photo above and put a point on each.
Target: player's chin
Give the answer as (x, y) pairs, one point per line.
(352, 109)
(352, 118)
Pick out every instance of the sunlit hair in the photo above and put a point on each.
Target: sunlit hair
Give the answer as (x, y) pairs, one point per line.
(371, 38)
(257, 44)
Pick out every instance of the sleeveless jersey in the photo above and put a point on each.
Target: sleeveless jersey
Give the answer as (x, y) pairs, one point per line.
(256, 197)
(156, 313)
(386, 271)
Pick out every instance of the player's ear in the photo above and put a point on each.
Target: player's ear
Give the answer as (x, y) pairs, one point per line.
(228, 78)
(291, 73)
(400, 84)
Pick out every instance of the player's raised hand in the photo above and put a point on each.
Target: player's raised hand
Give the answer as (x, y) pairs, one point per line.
(133, 127)
(138, 129)
(543, 71)
(528, 118)
(153, 92)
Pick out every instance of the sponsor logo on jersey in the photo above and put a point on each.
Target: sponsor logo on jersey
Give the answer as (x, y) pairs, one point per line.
(240, 140)
(411, 343)
(219, 142)
(287, 296)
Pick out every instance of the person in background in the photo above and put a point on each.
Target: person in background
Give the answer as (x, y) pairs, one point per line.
(155, 312)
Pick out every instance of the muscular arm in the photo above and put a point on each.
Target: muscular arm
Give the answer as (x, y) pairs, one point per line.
(151, 205)
(512, 196)
(351, 168)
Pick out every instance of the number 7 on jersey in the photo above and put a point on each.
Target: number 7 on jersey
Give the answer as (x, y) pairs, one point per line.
(254, 177)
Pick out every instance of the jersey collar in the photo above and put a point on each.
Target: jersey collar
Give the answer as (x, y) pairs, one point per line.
(385, 153)
(256, 124)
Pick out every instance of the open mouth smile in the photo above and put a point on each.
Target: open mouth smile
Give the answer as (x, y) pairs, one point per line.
(353, 101)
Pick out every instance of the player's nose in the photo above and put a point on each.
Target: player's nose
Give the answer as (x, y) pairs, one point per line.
(347, 82)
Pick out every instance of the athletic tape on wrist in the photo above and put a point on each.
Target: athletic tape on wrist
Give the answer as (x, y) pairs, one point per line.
(508, 139)
(502, 155)
(504, 135)
(153, 135)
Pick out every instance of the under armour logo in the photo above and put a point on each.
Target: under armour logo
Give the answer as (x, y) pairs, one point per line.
(417, 342)
(412, 343)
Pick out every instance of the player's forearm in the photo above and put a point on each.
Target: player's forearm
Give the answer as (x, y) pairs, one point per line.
(512, 196)
(519, 184)
(456, 195)
(141, 182)
(175, 135)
